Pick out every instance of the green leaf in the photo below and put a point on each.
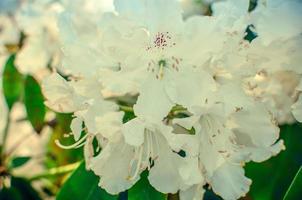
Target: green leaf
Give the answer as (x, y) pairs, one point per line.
(12, 83)
(143, 190)
(25, 189)
(34, 103)
(19, 161)
(294, 191)
(83, 185)
(128, 116)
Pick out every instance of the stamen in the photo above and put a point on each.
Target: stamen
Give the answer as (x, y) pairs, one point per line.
(138, 166)
(76, 145)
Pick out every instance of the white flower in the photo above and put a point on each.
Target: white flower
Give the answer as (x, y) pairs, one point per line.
(60, 95)
(233, 14)
(153, 142)
(9, 34)
(275, 20)
(227, 139)
(37, 20)
(80, 36)
(189, 81)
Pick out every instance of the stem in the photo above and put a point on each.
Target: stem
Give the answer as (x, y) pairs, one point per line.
(5, 133)
(12, 149)
(173, 196)
(56, 171)
(178, 108)
(126, 108)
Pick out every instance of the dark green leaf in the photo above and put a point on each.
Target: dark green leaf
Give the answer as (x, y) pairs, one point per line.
(20, 189)
(295, 189)
(83, 185)
(143, 190)
(34, 103)
(19, 161)
(25, 189)
(10, 194)
(128, 116)
(12, 83)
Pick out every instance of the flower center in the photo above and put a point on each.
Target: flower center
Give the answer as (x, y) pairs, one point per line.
(161, 41)
(160, 59)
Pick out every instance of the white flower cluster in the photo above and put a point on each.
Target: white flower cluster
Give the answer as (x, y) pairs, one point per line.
(206, 92)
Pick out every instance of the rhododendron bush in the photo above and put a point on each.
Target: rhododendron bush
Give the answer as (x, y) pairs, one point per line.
(151, 99)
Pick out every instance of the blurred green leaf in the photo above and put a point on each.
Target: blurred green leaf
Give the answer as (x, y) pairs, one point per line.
(12, 82)
(19, 161)
(20, 189)
(295, 189)
(34, 103)
(143, 190)
(83, 185)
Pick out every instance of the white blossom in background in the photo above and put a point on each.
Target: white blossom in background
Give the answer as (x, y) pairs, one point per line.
(202, 67)
(37, 20)
(269, 65)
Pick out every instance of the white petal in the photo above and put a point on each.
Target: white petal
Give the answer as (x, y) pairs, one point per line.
(185, 142)
(229, 182)
(164, 176)
(109, 125)
(190, 172)
(280, 21)
(155, 14)
(76, 127)
(36, 47)
(190, 87)
(195, 192)
(98, 108)
(112, 165)
(153, 103)
(60, 96)
(258, 124)
(134, 132)
(231, 8)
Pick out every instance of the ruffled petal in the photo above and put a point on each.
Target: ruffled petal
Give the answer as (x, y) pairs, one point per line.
(60, 96)
(114, 154)
(134, 132)
(229, 182)
(196, 192)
